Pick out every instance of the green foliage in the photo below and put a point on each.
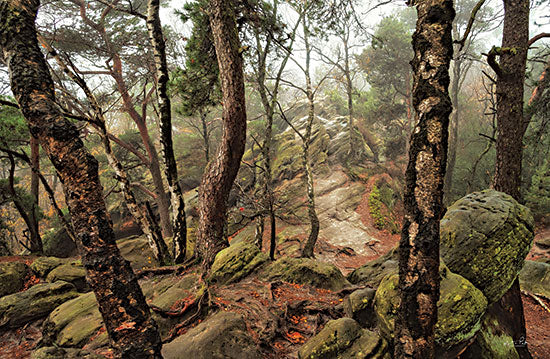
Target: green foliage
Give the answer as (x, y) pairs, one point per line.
(381, 203)
(538, 196)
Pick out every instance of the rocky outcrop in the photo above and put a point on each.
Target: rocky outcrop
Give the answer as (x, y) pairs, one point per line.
(63, 353)
(535, 278)
(360, 306)
(306, 271)
(73, 273)
(485, 237)
(236, 262)
(222, 336)
(344, 339)
(137, 251)
(12, 277)
(373, 272)
(37, 302)
(43, 265)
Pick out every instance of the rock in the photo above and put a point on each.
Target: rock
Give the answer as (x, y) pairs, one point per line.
(43, 265)
(136, 250)
(222, 336)
(73, 273)
(236, 262)
(37, 302)
(63, 353)
(73, 323)
(306, 271)
(491, 342)
(12, 277)
(535, 278)
(460, 308)
(485, 237)
(360, 306)
(57, 243)
(373, 272)
(344, 339)
(543, 243)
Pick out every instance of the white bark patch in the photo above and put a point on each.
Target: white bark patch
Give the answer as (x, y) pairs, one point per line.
(426, 169)
(435, 129)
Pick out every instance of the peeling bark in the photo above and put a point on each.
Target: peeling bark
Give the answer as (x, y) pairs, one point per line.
(132, 331)
(222, 170)
(179, 224)
(419, 245)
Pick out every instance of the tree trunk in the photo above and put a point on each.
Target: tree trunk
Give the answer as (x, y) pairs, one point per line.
(309, 247)
(222, 170)
(511, 128)
(179, 225)
(36, 241)
(132, 331)
(453, 140)
(419, 246)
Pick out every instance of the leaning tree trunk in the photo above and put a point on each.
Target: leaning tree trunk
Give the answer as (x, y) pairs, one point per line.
(419, 246)
(132, 331)
(222, 170)
(179, 225)
(511, 128)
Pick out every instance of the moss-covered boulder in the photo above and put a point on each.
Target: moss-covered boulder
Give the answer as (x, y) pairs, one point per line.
(360, 306)
(535, 278)
(12, 277)
(306, 271)
(460, 308)
(373, 272)
(491, 342)
(222, 336)
(43, 265)
(57, 243)
(73, 273)
(236, 262)
(485, 237)
(137, 251)
(63, 353)
(37, 302)
(344, 339)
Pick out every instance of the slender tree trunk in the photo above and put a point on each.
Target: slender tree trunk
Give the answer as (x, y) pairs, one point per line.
(132, 331)
(419, 246)
(453, 140)
(511, 128)
(179, 224)
(222, 170)
(36, 241)
(205, 136)
(309, 247)
(349, 92)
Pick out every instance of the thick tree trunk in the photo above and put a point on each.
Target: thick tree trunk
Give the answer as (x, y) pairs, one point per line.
(511, 128)
(179, 225)
(132, 331)
(222, 170)
(419, 246)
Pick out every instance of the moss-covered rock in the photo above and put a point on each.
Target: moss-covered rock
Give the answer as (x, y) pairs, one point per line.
(485, 237)
(360, 306)
(222, 336)
(236, 262)
(535, 278)
(460, 308)
(12, 277)
(136, 250)
(43, 265)
(57, 243)
(34, 303)
(543, 242)
(343, 339)
(306, 271)
(73, 273)
(491, 342)
(63, 353)
(373, 272)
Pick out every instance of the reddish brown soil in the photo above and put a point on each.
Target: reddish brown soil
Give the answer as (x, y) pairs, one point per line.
(537, 320)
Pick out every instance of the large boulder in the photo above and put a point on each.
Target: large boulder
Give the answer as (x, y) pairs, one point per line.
(37, 302)
(222, 336)
(43, 265)
(373, 272)
(485, 237)
(344, 339)
(360, 306)
(535, 278)
(137, 251)
(63, 353)
(57, 243)
(236, 262)
(73, 273)
(12, 277)
(460, 309)
(306, 271)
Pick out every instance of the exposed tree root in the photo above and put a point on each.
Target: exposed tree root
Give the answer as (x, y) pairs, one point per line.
(537, 299)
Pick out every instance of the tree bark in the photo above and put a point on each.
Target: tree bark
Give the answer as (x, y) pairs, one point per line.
(222, 170)
(179, 224)
(132, 331)
(511, 127)
(419, 245)
(453, 140)
(36, 240)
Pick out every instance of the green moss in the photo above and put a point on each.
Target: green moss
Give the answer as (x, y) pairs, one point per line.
(380, 204)
(236, 262)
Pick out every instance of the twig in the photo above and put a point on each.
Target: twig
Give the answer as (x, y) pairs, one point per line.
(537, 299)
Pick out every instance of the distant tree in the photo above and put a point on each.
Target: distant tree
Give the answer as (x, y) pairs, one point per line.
(127, 317)
(423, 198)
